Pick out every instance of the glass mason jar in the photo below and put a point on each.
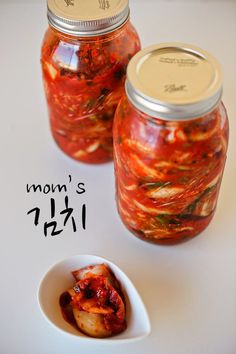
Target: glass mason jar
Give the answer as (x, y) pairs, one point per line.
(84, 57)
(170, 143)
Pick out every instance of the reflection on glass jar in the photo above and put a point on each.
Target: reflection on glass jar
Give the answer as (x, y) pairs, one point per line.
(84, 66)
(169, 155)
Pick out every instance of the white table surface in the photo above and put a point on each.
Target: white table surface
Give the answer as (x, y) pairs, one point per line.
(190, 289)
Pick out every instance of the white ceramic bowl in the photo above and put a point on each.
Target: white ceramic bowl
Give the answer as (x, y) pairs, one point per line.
(59, 278)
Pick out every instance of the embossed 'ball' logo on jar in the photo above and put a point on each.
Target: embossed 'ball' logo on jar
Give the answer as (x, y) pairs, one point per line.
(174, 88)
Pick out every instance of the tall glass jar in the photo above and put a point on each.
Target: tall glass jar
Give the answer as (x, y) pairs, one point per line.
(84, 57)
(170, 143)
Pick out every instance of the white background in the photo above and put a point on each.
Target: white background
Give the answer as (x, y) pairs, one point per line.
(190, 289)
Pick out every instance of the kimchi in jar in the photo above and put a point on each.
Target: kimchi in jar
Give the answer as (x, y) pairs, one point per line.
(170, 143)
(84, 57)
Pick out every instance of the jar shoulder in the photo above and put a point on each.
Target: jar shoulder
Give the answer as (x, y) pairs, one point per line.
(76, 54)
(145, 133)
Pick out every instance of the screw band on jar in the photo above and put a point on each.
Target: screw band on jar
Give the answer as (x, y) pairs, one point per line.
(87, 18)
(174, 81)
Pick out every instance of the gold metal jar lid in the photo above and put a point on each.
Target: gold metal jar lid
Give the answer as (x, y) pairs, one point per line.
(174, 81)
(87, 17)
